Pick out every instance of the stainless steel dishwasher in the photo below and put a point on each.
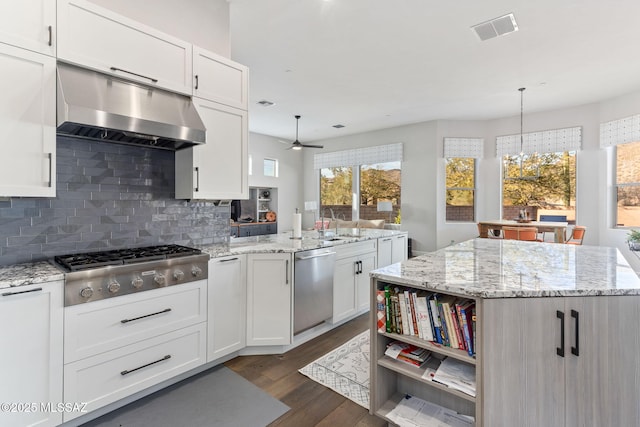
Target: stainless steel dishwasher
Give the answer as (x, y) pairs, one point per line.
(313, 288)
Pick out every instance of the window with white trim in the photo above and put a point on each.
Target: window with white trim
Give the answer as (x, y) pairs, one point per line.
(628, 184)
(460, 177)
(270, 167)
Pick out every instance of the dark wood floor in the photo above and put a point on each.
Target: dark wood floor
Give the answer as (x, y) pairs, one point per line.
(311, 403)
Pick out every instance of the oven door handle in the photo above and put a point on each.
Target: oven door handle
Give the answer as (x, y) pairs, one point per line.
(166, 310)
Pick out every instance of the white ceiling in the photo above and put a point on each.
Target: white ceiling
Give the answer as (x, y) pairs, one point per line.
(373, 64)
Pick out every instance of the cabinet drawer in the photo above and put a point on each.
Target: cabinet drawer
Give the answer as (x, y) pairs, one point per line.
(108, 377)
(353, 249)
(105, 325)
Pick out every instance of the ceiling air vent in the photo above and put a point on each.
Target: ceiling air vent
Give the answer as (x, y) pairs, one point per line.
(496, 27)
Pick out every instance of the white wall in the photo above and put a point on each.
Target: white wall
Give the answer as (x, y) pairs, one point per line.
(288, 182)
(423, 205)
(204, 23)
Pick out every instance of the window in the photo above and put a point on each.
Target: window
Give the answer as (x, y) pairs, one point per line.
(460, 189)
(539, 183)
(336, 190)
(270, 167)
(380, 182)
(628, 184)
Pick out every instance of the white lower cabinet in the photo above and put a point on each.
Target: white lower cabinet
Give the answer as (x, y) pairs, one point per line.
(120, 346)
(28, 123)
(351, 281)
(31, 356)
(392, 249)
(107, 377)
(227, 306)
(269, 298)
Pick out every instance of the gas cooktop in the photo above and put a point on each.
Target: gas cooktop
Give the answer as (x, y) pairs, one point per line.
(102, 275)
(83, 261)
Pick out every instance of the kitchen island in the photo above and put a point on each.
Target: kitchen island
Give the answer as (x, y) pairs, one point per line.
(556, 334)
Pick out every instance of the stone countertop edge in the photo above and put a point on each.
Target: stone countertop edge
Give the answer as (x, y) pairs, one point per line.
(31, 273)
(282, 243)
(496, 268)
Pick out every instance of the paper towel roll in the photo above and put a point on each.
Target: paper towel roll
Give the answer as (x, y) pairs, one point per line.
(297, 225)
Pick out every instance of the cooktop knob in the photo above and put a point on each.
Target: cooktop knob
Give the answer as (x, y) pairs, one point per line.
(178, 275)
(160, 279)
(137, 282)
(196, 271)
(113, 287)
(86, 292)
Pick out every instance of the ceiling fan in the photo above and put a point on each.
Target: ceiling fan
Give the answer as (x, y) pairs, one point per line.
(297, 145)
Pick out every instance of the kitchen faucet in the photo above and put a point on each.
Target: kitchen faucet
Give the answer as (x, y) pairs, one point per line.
(322, 229)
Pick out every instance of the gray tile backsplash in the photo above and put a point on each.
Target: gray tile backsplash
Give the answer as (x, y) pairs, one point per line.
(109, 196)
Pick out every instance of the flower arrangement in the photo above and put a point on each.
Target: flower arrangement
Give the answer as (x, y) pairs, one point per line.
(633, 239)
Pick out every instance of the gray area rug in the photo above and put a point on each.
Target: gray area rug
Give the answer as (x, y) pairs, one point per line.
(215, 398)
(345, 370)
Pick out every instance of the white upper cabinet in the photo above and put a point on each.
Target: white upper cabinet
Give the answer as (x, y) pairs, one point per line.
(219, 79)
(216, 170)
(97, 38)
(28, 123)
(30, 24)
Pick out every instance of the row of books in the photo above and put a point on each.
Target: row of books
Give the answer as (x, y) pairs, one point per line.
(431, 316)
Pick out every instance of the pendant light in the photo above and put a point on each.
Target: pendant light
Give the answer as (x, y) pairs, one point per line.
(522, 89)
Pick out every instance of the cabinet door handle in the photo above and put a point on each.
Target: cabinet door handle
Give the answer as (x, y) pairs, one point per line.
(228, 260)
(50, 169)
(286, 272)
(360, 267)
(8, 294)
(197, 169)
(387, 240)
(50, 35)
(196, 88)
(128, 371)
(355, 268)
(166, 310)
(134, 74)
(576, 350)
(560, 350)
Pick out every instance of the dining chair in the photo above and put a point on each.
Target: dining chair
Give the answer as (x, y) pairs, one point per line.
(577, 235)
(521, 233)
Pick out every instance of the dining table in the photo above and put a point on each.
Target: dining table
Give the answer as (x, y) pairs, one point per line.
(557, 227)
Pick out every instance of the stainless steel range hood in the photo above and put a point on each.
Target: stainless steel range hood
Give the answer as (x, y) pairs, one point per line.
(92, 105)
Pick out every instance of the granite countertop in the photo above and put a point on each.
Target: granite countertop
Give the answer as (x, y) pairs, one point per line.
(29, 274)
(282, 243)
(497, 268)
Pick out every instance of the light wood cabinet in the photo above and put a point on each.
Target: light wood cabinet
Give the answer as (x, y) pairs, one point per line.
(269, 298)
(219, 79)
(29, 25)
(31, 360)
(28, 123)
(351, 278)
(590, 380)
(218, 169)
(97, 38)
(227, 307)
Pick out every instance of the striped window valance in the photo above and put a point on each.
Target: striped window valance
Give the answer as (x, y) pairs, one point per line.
(359, 156)
(548, 141)
(463, 147)
(620, 131)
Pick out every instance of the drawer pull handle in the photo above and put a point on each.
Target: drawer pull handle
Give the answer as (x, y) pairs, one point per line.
(50, 35)
(576, 350)
(8, 294)
(560, 350)
(134, 74)
(228, 260)
(125, 372)
(197, 83)
(197, 170)
(166, 310)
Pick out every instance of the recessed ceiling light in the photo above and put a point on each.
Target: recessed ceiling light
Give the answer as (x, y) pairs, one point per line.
(338, 126)
(496, 27)
(266, 103)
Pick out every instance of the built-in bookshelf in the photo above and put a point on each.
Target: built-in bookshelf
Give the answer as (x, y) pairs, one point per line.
(442, 324)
